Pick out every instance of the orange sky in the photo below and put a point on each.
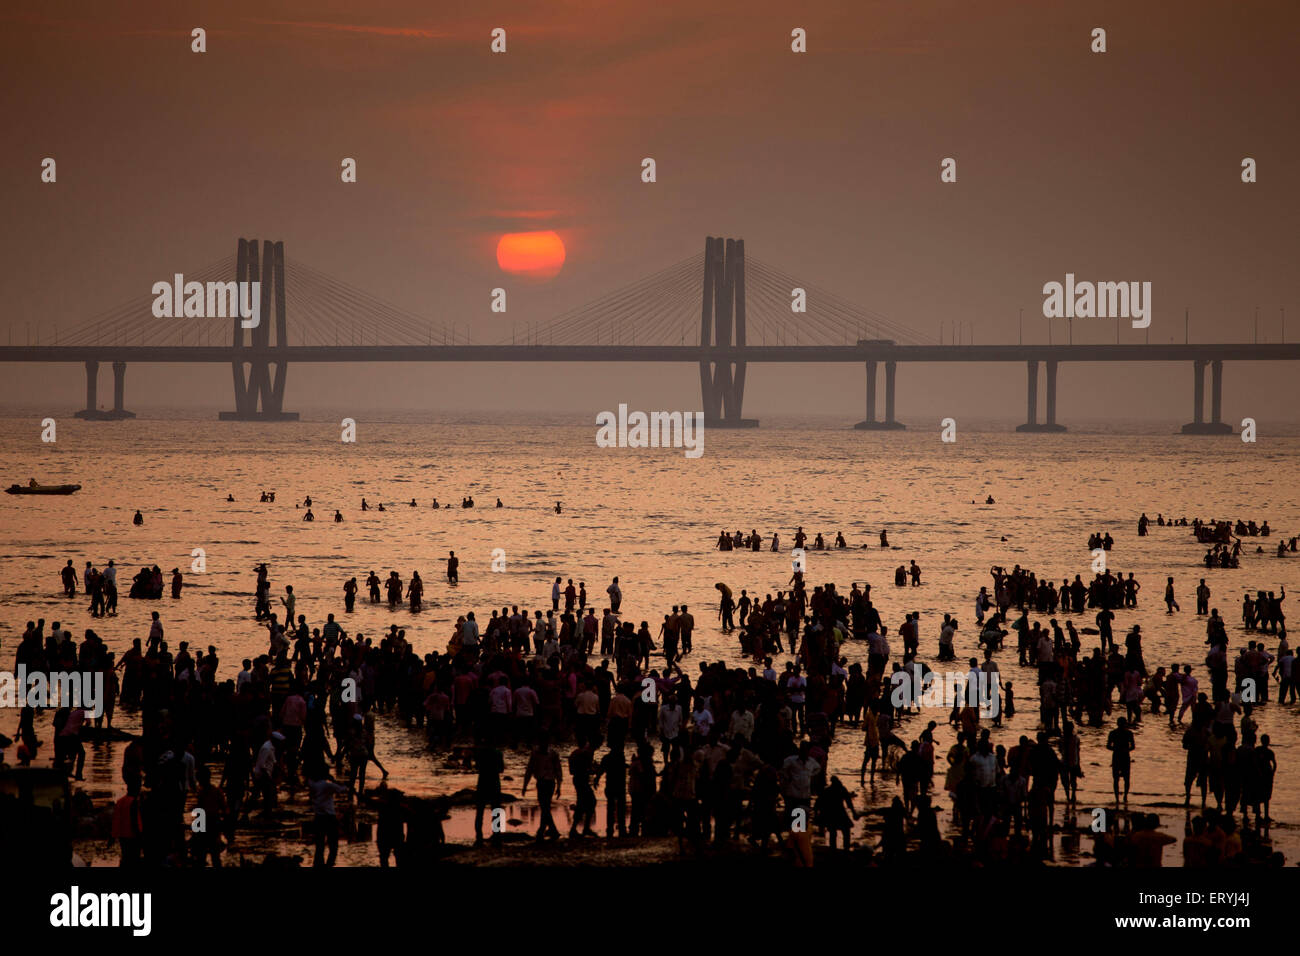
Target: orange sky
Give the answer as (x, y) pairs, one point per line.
(1115, 166)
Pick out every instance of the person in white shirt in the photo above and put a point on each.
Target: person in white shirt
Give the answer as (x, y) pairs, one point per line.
(264, 771)
(615, 595)
(702, 719)
(469, 633)
(983, 765)
(670, 722)
(741, 723)
(539, 631)
(796, 779)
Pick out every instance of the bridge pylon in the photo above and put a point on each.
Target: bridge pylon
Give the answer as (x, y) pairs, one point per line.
(259, 390)
(722, 323)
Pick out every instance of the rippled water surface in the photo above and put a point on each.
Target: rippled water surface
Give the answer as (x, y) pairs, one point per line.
(651, 517)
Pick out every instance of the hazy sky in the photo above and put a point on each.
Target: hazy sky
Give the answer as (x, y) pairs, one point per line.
(1117, 166)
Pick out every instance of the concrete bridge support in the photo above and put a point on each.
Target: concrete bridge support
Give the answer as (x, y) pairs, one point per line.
(92, 388)
(870, 423)
(1198, 425)
(119, 392)
(722, 323)
(259, 392)
(1032, 424)
(92, 411)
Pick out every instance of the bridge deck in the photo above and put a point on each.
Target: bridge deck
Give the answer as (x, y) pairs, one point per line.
(1236, 352)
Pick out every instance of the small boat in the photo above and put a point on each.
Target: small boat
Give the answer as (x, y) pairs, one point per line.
(35, 489)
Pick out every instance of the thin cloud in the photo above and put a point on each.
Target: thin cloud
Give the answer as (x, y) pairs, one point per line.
(410, 33)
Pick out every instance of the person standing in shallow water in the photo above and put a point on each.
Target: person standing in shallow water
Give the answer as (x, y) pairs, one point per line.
(1121, 744)
(580, 766)
(613, 767)
(415, 591)
(325, 821)
(544, 766)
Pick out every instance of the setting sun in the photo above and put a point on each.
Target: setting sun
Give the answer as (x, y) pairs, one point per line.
(534, 255)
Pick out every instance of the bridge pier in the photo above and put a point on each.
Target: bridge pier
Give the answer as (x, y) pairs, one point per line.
(92, 411)
(1032, 424)
(870, 424)
(119, 392)
(92, 387)
(1216, 425)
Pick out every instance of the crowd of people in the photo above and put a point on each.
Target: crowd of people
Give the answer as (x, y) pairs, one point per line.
(703, 752)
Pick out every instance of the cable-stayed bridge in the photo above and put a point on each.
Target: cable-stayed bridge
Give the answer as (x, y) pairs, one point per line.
(718, 309)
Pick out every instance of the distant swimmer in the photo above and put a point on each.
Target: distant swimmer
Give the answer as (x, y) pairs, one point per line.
(230, 497)
(306, 502)
(364, 506)
(138, 519)
(435, 503)
(557, 508)
(884, 539)
(468, 502)
(309, 516)
(412, 502)
(839, 540)
(381, 506)
(453, 568)
(338, 516)
(989, 500)
(499, 504)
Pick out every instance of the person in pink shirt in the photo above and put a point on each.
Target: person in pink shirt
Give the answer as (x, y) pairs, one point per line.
(293, 714)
